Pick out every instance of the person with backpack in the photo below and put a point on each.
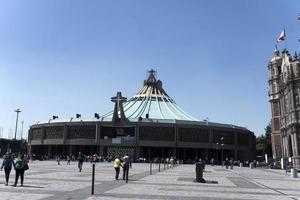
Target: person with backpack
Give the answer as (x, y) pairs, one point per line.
(7, 165)
(20, 166)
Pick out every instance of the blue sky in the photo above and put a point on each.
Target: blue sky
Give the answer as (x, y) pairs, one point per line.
(67, 57)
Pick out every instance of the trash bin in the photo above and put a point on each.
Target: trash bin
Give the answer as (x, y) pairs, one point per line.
(199, 172)
(294, 173)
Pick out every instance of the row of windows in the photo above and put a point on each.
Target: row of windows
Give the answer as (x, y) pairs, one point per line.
(81, 132)
(157, 133)
(194, 135)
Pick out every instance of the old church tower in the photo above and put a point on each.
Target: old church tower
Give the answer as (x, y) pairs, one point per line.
(284, 94)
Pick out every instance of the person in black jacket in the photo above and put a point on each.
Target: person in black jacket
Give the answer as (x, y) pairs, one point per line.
(7, 165)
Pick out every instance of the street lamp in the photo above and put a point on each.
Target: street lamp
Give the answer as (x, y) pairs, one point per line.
(299, 20)
(17, 111)
(22, 130)
(217, 147)
(222, 146)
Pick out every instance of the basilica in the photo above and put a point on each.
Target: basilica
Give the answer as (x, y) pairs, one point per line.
(284, 94)
(150, 124)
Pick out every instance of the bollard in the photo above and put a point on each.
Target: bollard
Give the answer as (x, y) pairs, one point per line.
(150, 168)
(93, 178)
(294, 173)
(159, 166)
(164, 165)
(199, 172)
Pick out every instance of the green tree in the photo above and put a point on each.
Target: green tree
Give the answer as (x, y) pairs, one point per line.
(14, 146)
(263, 143)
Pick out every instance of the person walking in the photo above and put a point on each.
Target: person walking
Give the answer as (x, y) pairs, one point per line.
(80, 161)
(68, 160)
(117, 165)
(226, 163)
(94, 159)
(126, 163)
(58, 159)
(7, 165)
(21, 164)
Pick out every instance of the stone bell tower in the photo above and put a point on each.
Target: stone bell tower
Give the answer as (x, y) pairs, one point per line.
(284, 97)
(274, 68)
(290, 107)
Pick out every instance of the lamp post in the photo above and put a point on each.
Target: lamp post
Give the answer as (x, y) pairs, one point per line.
(299, 20)
(17, 111)
(217, 147)
(22, 130)
(222, 146)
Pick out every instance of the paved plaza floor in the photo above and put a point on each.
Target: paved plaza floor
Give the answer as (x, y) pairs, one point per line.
(48, 181)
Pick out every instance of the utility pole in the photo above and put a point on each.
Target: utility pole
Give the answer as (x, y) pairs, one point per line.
(22, 129)
(299, 20)
(222, 145)
(217, 147)
(17, 111)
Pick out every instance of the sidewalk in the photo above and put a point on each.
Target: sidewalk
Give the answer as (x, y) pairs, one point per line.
(46, 180)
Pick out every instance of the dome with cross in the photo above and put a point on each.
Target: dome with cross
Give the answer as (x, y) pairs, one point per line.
(152, 102)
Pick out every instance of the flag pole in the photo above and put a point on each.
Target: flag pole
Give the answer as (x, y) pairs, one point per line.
(285, 38)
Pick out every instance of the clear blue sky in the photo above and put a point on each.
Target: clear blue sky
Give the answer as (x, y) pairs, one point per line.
(66, 57)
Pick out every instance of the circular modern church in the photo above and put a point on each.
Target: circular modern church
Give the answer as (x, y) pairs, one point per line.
(148, 125)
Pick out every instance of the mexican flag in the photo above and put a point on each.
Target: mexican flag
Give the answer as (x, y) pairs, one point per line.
(281, 36)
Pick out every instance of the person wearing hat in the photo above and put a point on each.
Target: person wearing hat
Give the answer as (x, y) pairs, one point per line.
(7, 165)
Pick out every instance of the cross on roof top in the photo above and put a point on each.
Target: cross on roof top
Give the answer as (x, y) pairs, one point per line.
(152, 76)
(118, 99)
(119, 115)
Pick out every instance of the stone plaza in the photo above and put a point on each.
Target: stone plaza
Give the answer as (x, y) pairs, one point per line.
(49, 181)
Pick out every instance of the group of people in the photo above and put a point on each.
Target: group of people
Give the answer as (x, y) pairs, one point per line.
(20, 165)
(119, 162)
(125, 163)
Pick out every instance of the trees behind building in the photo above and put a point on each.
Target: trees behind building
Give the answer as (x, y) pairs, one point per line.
(263, 143)
(12, 146)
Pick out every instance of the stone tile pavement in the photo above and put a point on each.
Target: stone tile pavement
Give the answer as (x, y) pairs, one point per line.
(48, 181)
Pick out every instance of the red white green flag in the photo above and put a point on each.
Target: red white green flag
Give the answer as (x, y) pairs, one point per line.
(281, 36)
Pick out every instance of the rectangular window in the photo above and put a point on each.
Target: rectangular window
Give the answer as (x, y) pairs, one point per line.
(276, 124)
(276, 109)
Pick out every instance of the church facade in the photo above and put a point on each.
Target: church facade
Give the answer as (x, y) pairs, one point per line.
(284, 94)
(148, 125)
